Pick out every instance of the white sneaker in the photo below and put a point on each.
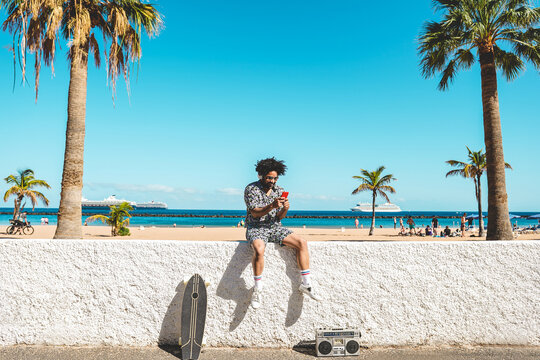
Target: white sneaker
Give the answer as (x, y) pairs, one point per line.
(256, 298)
(308, 290)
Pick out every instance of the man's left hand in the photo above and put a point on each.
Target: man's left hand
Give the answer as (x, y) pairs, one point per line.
(286, 204)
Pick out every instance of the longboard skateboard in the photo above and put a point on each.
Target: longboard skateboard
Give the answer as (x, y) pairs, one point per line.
(193, 317)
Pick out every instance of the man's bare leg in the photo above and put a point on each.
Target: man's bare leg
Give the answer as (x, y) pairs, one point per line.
(258, 266)
(302, 259)
(302, 252)
(258, 257)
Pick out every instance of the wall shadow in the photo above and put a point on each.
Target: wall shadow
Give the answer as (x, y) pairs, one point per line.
(306, 347)
(233, 287)
(296, 300)
(169, 333)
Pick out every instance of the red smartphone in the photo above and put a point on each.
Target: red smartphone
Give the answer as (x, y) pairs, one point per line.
(285, 194)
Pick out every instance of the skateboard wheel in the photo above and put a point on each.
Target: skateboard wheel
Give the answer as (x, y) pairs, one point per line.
(179, 341)
(207, 283)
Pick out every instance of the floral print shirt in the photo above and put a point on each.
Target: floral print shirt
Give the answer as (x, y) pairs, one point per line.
(255, 197)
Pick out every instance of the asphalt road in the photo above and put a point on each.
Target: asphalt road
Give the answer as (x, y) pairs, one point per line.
(171, 353)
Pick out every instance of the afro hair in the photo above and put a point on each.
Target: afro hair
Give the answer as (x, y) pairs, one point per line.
(265, 166)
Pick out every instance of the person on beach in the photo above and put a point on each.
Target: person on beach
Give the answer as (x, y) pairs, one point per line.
(394, 222)
(356, 222)
(447, 231)
(411, 224)
(434, 222)
(463, 221)
(401, 224)
(265, 208)
(23, 219)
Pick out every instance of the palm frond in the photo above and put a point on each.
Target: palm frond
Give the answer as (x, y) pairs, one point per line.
(12, 179)
(456, 163)
(446, 46)
(508, 62)
(36, 182)
(32, 196)
(388, 188)
(457, 172)
(142, 16)
(38, 25)
(525, 44)
(101, 218)
(385, 180)
(445, 4)
(41, 197)
(361, 178)
(362, 187)
(94, 48)
(379, 170)
(372, 180)
(14, 190)
(381, 193)
(519, 15)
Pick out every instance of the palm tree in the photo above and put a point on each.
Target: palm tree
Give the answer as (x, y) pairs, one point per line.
(118, 217)
(474, 170)
(40, 24)
(377, 184)
(447, 46)
(22, 186)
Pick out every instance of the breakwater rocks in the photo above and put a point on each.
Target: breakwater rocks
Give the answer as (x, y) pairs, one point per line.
(295, 216)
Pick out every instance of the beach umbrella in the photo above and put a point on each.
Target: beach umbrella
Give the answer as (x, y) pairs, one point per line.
(512, 216)
(537, 216)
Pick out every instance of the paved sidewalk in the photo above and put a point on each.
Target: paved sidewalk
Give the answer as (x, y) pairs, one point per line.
(172, 353)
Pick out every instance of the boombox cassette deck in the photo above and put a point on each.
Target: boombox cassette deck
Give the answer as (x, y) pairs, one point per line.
(337, 342)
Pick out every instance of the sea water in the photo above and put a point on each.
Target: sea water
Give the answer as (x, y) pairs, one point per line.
(299, 218)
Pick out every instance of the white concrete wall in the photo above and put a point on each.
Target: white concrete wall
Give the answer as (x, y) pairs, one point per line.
(128, 292)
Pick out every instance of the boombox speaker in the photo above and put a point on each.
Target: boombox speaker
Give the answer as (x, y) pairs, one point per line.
(337, 342)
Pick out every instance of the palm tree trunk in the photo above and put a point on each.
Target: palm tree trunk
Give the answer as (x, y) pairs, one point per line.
(372, 215)
(479, 197)
(498, 218)
(20, 207)
(15, 208)
(69, 212)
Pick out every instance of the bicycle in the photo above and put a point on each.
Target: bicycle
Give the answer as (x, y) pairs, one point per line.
(18, 227)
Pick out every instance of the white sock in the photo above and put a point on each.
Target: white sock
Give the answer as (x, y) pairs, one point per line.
(306, 277)
(258, 282)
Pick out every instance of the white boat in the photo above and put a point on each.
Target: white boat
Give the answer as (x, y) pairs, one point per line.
(386, 207)
(152, 205)
(111, 200)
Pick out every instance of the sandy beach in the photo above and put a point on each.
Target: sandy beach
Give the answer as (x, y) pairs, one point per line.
(238, 234)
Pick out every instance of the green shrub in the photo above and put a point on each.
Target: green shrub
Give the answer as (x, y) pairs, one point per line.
(124, 231)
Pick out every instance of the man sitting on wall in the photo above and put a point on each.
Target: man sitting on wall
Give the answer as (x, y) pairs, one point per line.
(265, 208)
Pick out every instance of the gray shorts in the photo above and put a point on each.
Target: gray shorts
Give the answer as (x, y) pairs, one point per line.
(274, 234)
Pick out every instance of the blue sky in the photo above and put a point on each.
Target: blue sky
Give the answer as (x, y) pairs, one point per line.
(329, 87)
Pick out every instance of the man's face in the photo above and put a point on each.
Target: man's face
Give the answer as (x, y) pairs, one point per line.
(269, 180)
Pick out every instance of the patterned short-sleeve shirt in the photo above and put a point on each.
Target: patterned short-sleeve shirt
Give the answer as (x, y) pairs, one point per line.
(255, 197)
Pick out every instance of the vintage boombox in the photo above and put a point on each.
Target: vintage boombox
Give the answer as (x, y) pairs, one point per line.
(337, 342)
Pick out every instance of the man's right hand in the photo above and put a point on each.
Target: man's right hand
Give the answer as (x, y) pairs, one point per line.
(278, 202)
